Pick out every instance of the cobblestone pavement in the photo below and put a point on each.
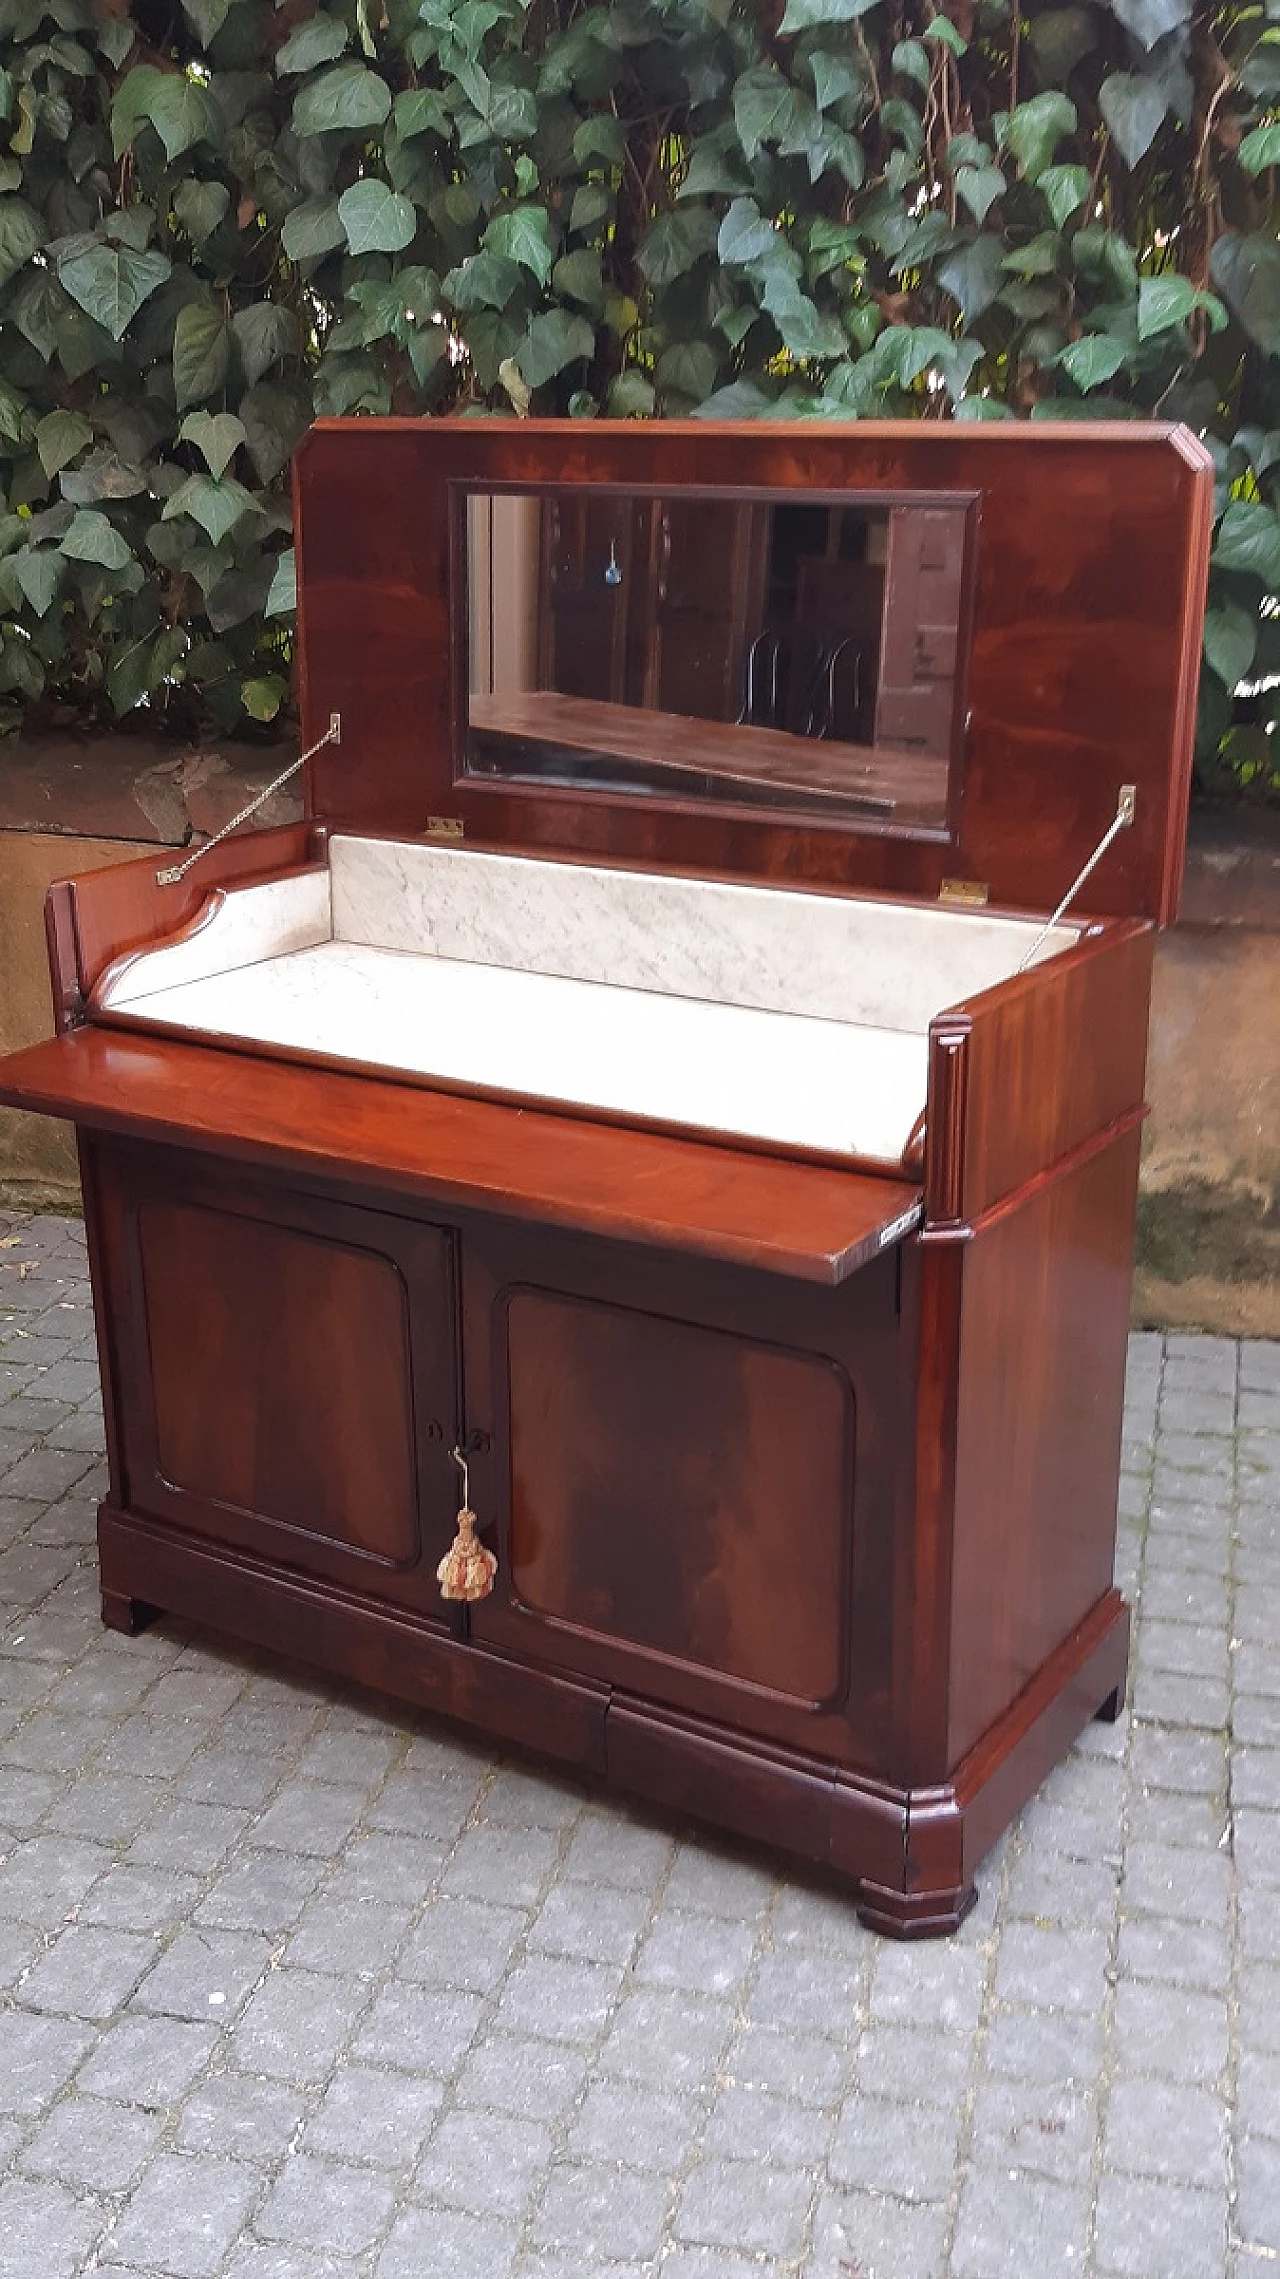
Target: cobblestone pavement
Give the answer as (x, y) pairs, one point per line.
(299, 1986)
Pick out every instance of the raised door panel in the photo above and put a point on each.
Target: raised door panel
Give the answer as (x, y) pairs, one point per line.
(284, 1371)
(690, 1482)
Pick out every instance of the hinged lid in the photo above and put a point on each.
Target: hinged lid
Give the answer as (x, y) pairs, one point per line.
(914, 659)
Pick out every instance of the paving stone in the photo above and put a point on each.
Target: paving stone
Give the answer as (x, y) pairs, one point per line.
(589, 1924)
(228, 1776)
(1258, 2094)
(562, 2001)
(600, 2212)
(1177, 2034)
(261, 1891)
(748, 2205)
(93, 2144)
(1145, 2230)
(867, 2235)
(1258, 2202)
(483, 2170)
(313, 1820)
(148, 2061)
(1052, 1969)
(1191, 1886)
(388, 1869)
(1020, 2222)
(37, 2058)
(106, 1807)
(417, 2029)
(1175, 1954)
(185, 2214)
(507, 1865)
(348, 1938)
(641, 2128)
(519, 1799)
(88, 1973)
(706, 1881)
(883, 2146)
(19, 1946)
(205, 1974)
(751, 2124)
(927, 1985)
(1043, 2045)
(914, 2066)
(384, 2118)
(442, 2243)
(317, 2203)
(804, 2068)
(459, 1943)
(530, 2080)
(1154, 2128)
(245, 2119)
(609, 1848)
(197, 1837)
(295, 2024)
(1053, 1887)
(43, 2229)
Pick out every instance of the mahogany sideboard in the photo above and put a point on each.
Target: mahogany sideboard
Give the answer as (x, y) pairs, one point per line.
(687, 1118)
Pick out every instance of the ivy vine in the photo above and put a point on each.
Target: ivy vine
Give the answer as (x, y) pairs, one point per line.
(221, 217)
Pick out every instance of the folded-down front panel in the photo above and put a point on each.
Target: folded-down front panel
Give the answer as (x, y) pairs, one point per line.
(457, 1154)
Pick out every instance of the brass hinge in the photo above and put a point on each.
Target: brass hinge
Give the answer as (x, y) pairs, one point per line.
(971, 893)
(444, 827)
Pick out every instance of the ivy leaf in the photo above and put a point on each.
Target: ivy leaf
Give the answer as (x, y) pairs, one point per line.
(802, 15)
(207, 17)
(577, 277)
(483, 281)
(745, 236)
(631, 396)
(1034, 130)
(1096, 357)
(910, 60)
(1249, 539)
(21, 233)
(200, 206)
(350, 96)
(1134, 109)
(1167, 301)
(674, 242)
(60, 437)
(263, 697)
(979, 187)
(1063, 188)
(216, 436)
(93, 538)
(312, 229)
(805, 331)
(216, 506)
(39, 573)
(275, 419)
(1260, 149)
(282, 594)
(689, 370)
(552, 341)
(1246, 271)
(764, 106)
(973, 275)
(111, 282)
(1230, 640)
(201, 353)
(1151, 21)
(318, 41)
(376, 219)
(183, 113)
(523, 234)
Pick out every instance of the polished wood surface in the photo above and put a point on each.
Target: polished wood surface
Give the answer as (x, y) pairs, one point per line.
(895, 785)
(1091, 561)
(444, 1148)
(804, 1511)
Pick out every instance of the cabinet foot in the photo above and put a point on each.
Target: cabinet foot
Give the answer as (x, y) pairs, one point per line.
(914, 1914)
(1108, 1712)
(130, 1615)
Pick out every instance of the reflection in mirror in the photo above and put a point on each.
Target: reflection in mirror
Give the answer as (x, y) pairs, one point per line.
(796, 653)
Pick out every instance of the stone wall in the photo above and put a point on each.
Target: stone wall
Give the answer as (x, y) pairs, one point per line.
(1209, 1213)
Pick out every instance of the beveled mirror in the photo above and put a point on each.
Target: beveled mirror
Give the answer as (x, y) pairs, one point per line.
(804, 654)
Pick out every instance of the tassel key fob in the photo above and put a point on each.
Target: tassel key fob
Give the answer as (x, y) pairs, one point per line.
(467, 1569)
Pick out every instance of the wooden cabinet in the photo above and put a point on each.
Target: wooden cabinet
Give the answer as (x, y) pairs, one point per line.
(286, 1371)
(715, 1144)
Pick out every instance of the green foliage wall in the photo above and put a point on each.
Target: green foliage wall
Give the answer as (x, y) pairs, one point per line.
(218, 217)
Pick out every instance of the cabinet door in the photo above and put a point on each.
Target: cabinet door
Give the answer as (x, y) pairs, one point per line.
(284, 1370)
(690, 1480)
